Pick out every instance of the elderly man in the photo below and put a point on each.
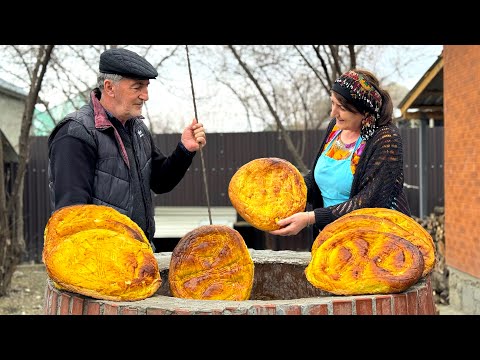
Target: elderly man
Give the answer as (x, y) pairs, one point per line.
(104, 154)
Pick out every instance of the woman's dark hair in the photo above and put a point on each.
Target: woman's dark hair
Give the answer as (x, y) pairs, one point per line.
(386, 112)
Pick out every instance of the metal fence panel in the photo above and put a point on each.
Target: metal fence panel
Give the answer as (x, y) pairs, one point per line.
(224, 154)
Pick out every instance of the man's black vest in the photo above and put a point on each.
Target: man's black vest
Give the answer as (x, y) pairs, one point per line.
(112, 179)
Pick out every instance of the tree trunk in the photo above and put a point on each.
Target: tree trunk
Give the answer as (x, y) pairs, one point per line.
(6, 269)
(12, 242)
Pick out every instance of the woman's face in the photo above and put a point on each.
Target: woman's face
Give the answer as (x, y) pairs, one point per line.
(346, 119)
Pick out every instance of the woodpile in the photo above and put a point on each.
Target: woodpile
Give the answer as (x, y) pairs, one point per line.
(435, 225)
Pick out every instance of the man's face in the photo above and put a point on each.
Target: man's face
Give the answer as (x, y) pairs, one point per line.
(129, 95)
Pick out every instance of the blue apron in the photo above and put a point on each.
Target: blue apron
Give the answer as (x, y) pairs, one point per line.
(334, 177)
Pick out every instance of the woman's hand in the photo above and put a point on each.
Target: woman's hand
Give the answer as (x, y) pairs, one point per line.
(293, 224)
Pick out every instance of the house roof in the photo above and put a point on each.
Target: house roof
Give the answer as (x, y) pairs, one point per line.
(425, 100)
(12, 90)
(9, 154)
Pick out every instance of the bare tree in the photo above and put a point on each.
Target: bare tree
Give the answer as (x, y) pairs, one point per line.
(280, 87)
(74, 69)
(288, 140)
(12, 244)
(294, 83)
(283, 91)
(73, 73)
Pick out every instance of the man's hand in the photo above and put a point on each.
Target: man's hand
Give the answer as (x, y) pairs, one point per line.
(193, 136)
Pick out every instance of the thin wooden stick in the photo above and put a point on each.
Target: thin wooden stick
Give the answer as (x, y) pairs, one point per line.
(201, 153)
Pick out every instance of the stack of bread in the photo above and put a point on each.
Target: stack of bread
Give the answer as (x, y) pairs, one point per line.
(96, 251)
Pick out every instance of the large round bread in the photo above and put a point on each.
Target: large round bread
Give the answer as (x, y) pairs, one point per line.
(95, 251)
(211, 262)
(368, 220)
(420, 237)
(266, 190)
(71, 219)
(364, 261)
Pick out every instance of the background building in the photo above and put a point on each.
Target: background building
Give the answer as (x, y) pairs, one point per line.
(462, 171)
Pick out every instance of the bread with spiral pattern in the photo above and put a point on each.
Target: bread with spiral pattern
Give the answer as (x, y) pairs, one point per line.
(211, 262)
(365, 261)
(419, 236)
(374, 220)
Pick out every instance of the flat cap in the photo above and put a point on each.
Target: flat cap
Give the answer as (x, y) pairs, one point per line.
(126, 63)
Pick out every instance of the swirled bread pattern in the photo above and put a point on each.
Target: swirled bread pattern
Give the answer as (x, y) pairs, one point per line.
(364, 261)
(266, 190)
(368, 220)
(211, 262)
(419, 236)
(95, 251)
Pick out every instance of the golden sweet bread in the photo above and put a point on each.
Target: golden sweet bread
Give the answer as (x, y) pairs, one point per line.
(70, 219)
(372, 222)
(211, 262)
(95, 251)
(364, 261)
(420, 237)
(266, 190)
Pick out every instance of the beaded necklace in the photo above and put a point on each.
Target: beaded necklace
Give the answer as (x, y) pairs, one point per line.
(340, 145)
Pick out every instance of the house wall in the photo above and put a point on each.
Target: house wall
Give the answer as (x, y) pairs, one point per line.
(11, 111)
(462, 174)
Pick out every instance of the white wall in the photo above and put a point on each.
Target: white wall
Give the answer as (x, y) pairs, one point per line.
(11, 111)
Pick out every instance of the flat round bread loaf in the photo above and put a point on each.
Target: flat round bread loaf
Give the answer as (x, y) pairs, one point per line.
(211, 262)
(71, 219)
(266, 190)
(420, 237)
(368, 220)
(364, 261)
(95, 251)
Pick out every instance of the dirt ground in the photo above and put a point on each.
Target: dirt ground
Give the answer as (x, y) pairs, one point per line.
(27, 291)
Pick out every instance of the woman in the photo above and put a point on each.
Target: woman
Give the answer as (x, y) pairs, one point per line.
(360, 161)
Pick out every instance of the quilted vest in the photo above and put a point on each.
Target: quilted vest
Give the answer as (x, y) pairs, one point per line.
(112, 178)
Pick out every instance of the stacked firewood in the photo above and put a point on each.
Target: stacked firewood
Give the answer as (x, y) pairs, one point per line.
(435, 225)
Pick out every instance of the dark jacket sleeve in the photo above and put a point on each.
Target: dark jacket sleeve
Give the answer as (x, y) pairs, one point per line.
(72, 163)
(168, 171)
